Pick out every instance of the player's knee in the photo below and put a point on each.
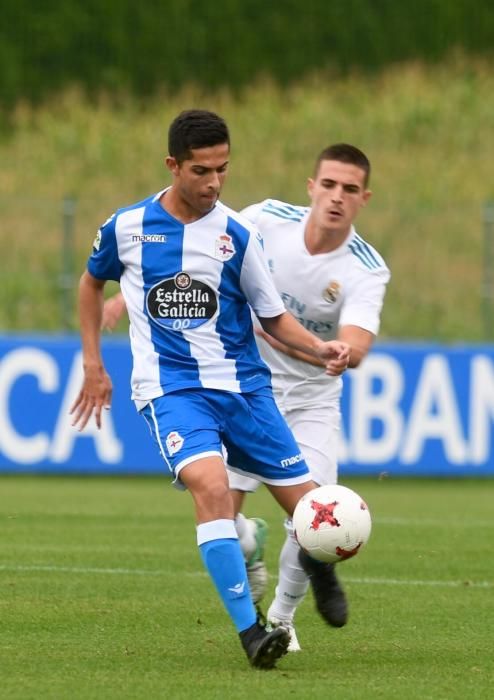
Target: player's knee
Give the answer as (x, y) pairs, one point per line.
(215, 492)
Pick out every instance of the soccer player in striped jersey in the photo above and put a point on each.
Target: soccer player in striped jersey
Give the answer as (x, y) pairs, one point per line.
(190, 270)
(334, 283)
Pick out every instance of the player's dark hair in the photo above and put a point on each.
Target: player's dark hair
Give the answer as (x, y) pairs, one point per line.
(195, 128)
(345, 153)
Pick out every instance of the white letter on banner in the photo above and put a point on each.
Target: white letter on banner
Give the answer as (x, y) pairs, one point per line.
(25, 361)
(108, 447)
(481, 408)
(435, 391)
(367, 407)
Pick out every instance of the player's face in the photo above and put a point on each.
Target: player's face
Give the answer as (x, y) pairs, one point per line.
(198, 180)
(337, 193)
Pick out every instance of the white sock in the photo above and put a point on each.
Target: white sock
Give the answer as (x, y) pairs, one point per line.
(246, 535)
(293, 582)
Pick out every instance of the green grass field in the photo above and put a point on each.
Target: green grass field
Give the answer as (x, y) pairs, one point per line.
(104, 596)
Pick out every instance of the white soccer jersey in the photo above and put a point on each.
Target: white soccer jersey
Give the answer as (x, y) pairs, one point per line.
(324, 291)
(188, 288)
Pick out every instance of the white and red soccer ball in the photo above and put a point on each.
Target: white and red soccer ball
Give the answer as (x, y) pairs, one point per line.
(332, 523)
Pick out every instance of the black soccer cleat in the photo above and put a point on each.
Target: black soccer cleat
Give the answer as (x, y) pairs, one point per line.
(264, 648)
(331, 602)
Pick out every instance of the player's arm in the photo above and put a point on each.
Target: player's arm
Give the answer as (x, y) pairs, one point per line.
(334, 354)
(96, 389)
(287, 350)
(360, 315)
(359, 340)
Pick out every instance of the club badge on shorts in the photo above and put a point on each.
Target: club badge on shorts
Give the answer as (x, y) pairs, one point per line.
(174, 442)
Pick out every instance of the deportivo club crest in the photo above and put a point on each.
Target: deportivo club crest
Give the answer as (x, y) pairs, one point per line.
(332, 292)
(174, 442)
(224, 248)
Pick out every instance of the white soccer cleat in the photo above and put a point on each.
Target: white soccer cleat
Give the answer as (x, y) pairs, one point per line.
(293, 644)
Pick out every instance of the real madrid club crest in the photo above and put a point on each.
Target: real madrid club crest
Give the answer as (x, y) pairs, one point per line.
(224, 248)
(332, 292)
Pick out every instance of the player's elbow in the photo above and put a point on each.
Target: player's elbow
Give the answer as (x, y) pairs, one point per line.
(356, 357)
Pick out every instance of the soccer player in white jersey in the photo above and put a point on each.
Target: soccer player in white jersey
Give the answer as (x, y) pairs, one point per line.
(190, 271)
(334, 283)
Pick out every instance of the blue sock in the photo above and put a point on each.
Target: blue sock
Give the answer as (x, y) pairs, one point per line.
(223, 558)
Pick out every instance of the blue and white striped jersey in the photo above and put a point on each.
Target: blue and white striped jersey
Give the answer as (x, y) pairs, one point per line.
(189, 290)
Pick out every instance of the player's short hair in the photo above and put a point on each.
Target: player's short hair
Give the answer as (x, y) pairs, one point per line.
(195, 128)
(345, 153)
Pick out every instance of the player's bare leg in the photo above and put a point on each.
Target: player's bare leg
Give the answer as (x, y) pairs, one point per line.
(289, 496)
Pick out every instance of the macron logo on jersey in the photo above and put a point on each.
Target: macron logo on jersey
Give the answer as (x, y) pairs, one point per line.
(238, 588)
(148, 238)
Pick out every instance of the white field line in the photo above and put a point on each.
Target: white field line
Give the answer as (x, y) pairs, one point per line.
(82, 570)
(159, 572)
(418, 582)
(431, 522)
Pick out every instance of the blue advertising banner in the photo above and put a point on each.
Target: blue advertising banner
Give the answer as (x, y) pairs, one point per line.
(409, 410)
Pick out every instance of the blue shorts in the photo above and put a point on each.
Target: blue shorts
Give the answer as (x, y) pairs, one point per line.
(191, 424)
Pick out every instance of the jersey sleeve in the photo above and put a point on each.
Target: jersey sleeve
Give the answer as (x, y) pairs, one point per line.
(364, 301)
(256, 280)
(253, 211)
(104, 262)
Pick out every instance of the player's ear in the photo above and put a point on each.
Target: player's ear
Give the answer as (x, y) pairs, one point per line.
(310, 186)
(366, 197)
(172, 165)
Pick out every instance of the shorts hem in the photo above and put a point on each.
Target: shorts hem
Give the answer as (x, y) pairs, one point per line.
(177, 482)
(286, 481)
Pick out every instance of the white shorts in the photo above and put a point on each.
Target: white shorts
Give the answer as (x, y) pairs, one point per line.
(317, 432)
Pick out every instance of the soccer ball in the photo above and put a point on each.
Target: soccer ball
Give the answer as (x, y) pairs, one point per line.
(332, 523)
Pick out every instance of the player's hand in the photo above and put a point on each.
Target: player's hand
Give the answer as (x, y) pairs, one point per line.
(96, 394)
(113, 310)
(336, 356)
